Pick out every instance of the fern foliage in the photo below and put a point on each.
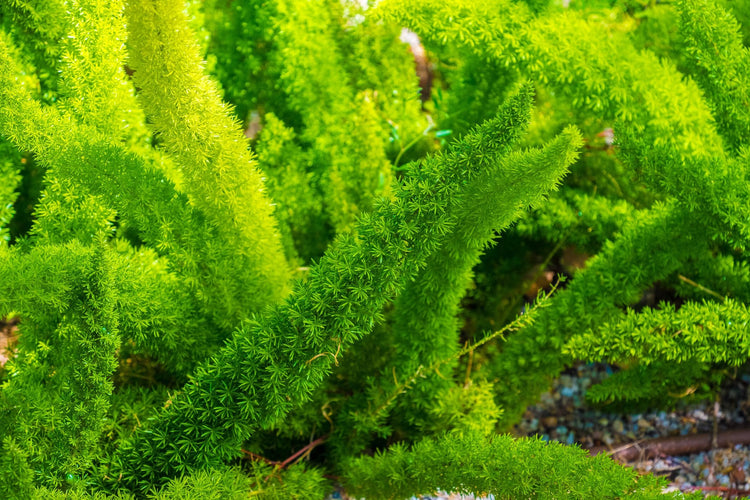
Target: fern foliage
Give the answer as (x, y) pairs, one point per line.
(269, 248)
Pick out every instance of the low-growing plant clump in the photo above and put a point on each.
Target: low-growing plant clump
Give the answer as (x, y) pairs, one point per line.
(269, 248)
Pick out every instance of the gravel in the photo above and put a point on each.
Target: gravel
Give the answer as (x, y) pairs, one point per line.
(563, 415)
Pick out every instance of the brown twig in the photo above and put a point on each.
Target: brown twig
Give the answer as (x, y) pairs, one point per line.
(299, 454)
(674, 446)
(306, 450)
(255, 457)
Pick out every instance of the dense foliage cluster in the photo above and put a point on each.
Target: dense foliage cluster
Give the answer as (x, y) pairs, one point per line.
(252, 246)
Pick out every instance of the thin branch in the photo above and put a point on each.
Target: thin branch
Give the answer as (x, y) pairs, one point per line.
(307, 449)
(258, 458)
(701, 287)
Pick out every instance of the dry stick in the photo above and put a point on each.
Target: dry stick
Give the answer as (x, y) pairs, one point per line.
(293, 459)
(673, 446)
(305, 450)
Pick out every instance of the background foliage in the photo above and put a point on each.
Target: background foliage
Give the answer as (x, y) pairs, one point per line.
(269, 247)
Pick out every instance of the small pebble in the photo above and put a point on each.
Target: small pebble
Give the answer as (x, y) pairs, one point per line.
(618, 426)
(571, 439)
(567, 381)
(549, 422)
(567, 392)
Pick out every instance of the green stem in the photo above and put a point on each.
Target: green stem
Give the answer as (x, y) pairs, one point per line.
(409, 146)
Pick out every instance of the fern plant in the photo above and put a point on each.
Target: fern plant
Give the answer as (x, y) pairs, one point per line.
(257, 237)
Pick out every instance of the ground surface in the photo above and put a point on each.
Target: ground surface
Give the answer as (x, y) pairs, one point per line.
(562, 414)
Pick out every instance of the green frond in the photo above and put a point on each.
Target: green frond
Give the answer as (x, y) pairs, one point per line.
(231, 484)
(295, 344)
(56, 409)
(348, 138)
(16, 476)
(501, 466)
(613, 278)
(154, 344)
(10, 178)
(220, 175)
(657, 385)
(295, 190)
(92, 73)
(39, 27)
(707, 332)
(722, 65)
(425, 323)
(577, 218)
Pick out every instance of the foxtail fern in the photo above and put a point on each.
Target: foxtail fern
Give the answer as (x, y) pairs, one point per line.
(245, 249)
